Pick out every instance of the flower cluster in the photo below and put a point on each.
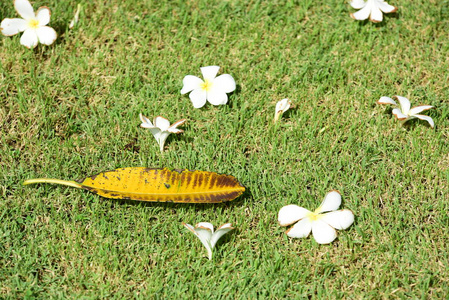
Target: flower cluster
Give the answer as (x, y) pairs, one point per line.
(322, 222)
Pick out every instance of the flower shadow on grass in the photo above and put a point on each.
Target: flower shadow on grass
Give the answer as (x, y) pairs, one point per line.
(232, 103)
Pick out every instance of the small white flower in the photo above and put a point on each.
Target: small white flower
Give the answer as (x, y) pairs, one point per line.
(161, 128)
(205, 232)
(322, 225)
(405, 113)
(371, 9)
(281, 107)
(33, 25)
(76, 17)
(212, 88)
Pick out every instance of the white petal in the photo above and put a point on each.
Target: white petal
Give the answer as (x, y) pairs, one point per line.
(331, 202)
(397, 112)
(386, 8)
(216, 96)
(386, 100)
(46, 35)
(362, 14)
(225, 83)
(210, 72)
(162, 137)
(224, 226)
(283, 105)
(340, 219)
(222, 230)
(426, 118)
(175, 130)
(43, 15)
(190, 83)
(189, 227)
(146, 123)
(173, 126)
(156, 132)
(376, 15)
(198, 98)
(357, 4)
(24, 9)
(162, 123)
(300, 229)
(13, 26)
(323, 232)
(405, 104)
(417, 109)
(206, 225)
(29, 38)
(204, 236)
(290, 214)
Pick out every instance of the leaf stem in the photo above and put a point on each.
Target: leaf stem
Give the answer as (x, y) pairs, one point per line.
(49, 180)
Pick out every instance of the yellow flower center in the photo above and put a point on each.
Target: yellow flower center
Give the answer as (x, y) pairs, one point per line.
(33, 24)
(314, 216)
(206, 85)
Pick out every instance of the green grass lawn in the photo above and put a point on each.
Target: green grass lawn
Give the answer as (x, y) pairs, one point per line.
(71, 110)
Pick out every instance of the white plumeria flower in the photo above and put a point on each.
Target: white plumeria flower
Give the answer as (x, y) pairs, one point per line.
(281, 107)
(33, 25)
(371, 9)
(322, 225)
(205, 232)
(212, 88)
(161, 128)
(405, 113)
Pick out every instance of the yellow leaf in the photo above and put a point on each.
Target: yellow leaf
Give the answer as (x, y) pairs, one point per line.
(160, 185)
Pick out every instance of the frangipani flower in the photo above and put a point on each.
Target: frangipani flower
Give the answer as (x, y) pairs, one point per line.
(281, 107)
(161, 128)
(406, 113)
(212, 88)
(322, 225)
(371, 9)
(205, 232)
(33, 25)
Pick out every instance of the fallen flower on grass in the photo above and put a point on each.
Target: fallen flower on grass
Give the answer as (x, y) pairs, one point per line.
(371, 9)
(76, 17)
(405, 113)
(212, 88)
(281, 107)
(161, 128)
(32, 24)
(205, 232)
(322, 225)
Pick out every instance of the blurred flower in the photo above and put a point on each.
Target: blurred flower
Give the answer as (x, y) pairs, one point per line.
(161, 128)
(371, 9)
(405, 113)
(76, 17)
(205, 232)
(33, 25)
(281, 107)
(212, 89)
(322, 225)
